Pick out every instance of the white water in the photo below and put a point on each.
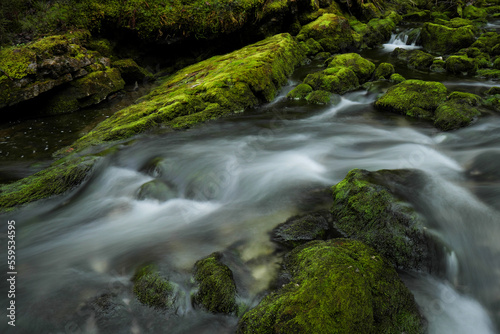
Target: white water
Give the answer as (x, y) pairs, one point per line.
(235, 180)
(400, 40)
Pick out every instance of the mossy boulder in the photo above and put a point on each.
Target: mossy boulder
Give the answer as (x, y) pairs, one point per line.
(459, 111)
(384, 71)
(83, 92)
(486, 73)
(300, 92)
(30, 70)
(217, 290)
(363, 68)
(426, 95)
(131, 72)
(487, 42)
(397, 78)
(461, 65)
(319, 97)
(207, 90)
(474, 13)
(438, 66)
(336, 286)
(337, 80)
(152, 289)
(446, 40)
(376, 31)
(414, 59)
(62, 176)
(331, 31)
(313, 47)
(301, 229)
(368, 207)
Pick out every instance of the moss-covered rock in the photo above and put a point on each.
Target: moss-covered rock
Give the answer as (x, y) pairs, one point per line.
(131, 72)
(335, 79)
(397, 78)
(366, 207)
(458, 111)
(83, 92)
(376, 31)
(300, 92)
(152, 289)
(427, 95)
(336, 286)
(62, 176)
(487, 42)
(384, 71)
(445, 40)
(156, 190)
(438, 66)
(362, 67)
(414, 59)
(319, 97)
(474, 13)
(487, 73)
(331, 31)
(313, 47)
(207, 90)
(301, 229)
(217, 290)
(461, 65)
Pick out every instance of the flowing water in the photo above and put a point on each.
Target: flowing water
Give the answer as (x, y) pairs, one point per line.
(232, 181)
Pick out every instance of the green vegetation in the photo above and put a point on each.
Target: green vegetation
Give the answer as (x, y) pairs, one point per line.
(151, 289)
(319, 97)
(414, 59)
(300, 92)
(445, 40)
(383, 71)
(458, 111)
(460, 64)
(217, 291)
(337, 286)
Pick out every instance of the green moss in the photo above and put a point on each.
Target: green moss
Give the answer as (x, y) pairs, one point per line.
(418, 16)
(487, 41)
(151, 289)
(131, 72)
(458, 111)
(456, 22)
(445, 40)
(313, 47)
(207, 90)
(400, 98)
(57, 179)
(397, 78)
(438, 66)
(364, 208)
(217, 291)
(300, 92)
(488, 73)
(414, 59)
(337, 286)
(331, 31)
(362, 67)
(383, 71)
(334, 79)
(319, 97)
(474, 13)
(460, 65)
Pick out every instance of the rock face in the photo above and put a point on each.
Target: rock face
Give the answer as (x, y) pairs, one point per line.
(331, 31)
(217, 291)
(366, 208)
(336, 286)
(28, 71)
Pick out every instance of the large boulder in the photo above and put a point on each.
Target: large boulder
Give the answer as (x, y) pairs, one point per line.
(331, 31)
(414, 59)
(336, 286)
(414, 98)
(368, 206)
(461, 65)
(445, 40)
(217, 290)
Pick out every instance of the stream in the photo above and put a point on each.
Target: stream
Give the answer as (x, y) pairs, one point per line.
(233, 180)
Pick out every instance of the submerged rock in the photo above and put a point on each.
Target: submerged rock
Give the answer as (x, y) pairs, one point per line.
(485, 167)
(367, 207)
(217, 291)
(156, 190)
(336, 286)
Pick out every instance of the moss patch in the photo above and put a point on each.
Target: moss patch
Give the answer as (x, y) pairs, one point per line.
(337, 286)
(445, 40)
(151, 289)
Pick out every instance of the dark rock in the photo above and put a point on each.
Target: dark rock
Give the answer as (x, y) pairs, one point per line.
(485, 167)
(301, 229)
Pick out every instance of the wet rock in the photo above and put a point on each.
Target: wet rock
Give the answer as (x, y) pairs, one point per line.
(426, 95)
(445, 40)
(319, 97)
(414, 59)
(300, 92)
(458, 111)
(156, 190)
(217, 290)
(337, 80)
(376, 31)
(331, 31)
(384, 71)
(131, 72)
(397, 78)
(485, 167)
(368, 206)
(461, 65)
(362, 68)
(336, 286)
(301, 229)
(152, 289)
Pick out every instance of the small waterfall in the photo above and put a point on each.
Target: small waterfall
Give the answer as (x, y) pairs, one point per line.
(406, 39)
